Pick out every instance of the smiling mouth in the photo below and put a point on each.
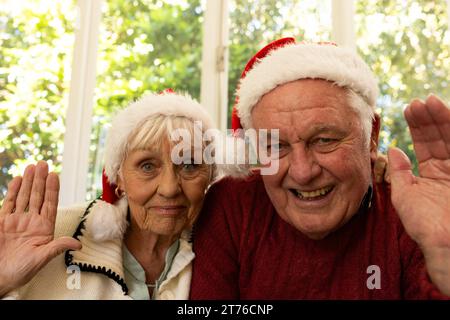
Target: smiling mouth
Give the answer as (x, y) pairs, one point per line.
(312, 195)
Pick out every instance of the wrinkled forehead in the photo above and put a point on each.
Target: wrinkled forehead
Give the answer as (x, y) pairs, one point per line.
(166, 149)
(154, 131)
(322, 115)
(165, 137)
(301, 95)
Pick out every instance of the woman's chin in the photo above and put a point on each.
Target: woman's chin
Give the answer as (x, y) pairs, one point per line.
(163, 229)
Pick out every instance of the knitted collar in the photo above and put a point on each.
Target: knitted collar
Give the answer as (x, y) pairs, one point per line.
(106, 256)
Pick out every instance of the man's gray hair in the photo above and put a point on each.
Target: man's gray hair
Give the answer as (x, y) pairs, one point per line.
(364, 111)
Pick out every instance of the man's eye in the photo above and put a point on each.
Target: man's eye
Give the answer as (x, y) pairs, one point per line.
(323, 144)
(274, 147)
(324, 140)
(276, 150)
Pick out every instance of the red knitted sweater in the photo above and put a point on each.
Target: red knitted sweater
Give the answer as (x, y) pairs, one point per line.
(244, 250)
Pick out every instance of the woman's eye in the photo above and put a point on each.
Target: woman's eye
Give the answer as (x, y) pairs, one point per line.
(188, 166)
(147, 167)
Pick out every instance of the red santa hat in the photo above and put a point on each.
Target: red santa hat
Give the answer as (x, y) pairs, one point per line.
(284, 60)
(107, 217)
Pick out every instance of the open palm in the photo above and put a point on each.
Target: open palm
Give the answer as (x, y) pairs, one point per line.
(27, 223)
(423, 202)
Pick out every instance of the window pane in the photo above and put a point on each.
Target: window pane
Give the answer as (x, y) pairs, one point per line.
(409, 52)
(36, 44)
(145, 46)
(253, 24)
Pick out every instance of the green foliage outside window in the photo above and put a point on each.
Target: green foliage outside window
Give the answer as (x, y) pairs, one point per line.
(36, 46)
(407, 45)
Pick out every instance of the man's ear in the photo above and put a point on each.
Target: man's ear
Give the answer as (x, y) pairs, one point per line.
(119, 182)
(376, 125)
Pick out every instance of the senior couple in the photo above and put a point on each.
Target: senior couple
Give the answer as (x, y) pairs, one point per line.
(321, 227)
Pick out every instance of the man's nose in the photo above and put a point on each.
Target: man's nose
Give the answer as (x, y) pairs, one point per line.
(169, 183)
(303, 166)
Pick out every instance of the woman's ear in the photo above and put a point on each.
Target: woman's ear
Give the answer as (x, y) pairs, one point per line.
(120, 184)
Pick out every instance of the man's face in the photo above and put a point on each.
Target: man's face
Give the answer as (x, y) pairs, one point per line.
(324, 160)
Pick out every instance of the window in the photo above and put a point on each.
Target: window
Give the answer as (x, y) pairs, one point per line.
(409, 53)
(36, 45)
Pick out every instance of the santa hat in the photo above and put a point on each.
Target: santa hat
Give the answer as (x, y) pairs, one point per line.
(107, 217)
(284, 60)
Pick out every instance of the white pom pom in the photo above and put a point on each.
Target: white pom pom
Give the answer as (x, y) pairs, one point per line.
(106, 221)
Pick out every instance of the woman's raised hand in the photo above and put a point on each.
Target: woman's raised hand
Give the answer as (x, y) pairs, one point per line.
(27, 224)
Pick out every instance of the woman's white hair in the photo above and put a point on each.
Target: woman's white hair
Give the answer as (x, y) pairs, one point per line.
(131, 118)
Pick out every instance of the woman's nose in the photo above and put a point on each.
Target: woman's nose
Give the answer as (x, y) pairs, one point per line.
(169, 183)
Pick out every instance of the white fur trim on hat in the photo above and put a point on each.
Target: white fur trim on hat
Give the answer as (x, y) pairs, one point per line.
(300, 61)
(106, 221)
(128, 119)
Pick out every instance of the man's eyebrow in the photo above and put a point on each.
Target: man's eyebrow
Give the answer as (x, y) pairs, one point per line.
(317, 129)
(269, 134)
(325, 128)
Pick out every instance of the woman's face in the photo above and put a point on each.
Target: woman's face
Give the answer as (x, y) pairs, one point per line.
(164, 198)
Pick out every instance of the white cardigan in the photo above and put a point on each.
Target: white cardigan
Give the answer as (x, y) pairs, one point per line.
(102, 274)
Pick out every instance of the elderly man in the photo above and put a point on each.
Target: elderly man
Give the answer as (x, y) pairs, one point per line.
(321, 228)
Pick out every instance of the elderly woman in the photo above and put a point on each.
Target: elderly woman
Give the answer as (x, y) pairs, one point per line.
(134, 243)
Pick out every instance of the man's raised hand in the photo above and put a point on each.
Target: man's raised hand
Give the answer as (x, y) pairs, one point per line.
(423, 202)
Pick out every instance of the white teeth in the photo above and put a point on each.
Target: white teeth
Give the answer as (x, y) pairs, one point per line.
(313, 194)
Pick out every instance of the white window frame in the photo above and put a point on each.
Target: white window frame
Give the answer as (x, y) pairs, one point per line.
(214, 80)
(343, 23)
(81, 99)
